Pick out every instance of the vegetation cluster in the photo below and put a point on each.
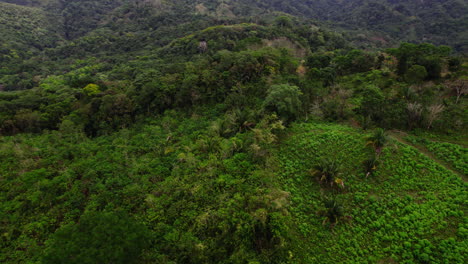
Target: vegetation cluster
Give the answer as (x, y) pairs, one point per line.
(151, 132)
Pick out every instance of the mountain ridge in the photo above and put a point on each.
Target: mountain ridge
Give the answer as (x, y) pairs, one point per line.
(436, 21)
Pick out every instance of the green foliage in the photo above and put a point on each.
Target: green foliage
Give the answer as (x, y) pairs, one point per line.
(203, 198)
(354, 61)
(454, 155)
(285, 100)
(283, 21)
(412, 206)
(318, 60)
(91, 89)
(98, 237)
(371, 164)
(162, 132)
(378, 140)
(327, 170)
(426, 55)
(454, 64)
(371, 104)
(451, 153)
(416, 74)
(334, 211)
(29, 28)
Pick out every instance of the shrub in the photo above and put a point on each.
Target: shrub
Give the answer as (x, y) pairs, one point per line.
(97, 238)
(285, 100)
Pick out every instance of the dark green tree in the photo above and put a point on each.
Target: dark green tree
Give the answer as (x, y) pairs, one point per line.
(99, 237)
(283, 21)
(319, 60)
(372, 103)
(416, 74)
(285, 100)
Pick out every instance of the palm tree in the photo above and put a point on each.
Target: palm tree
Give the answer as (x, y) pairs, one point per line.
(378, 140)
(371, 164)
(333, 212)
(327, 170)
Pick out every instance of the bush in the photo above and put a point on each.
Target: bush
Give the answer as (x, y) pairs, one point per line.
(98, 238)
(285, 100)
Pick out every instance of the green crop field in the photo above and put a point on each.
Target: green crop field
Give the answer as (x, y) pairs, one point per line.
(412, 210)
(233, 132)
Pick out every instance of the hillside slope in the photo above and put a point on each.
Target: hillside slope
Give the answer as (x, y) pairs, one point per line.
(228, 132)
(410, 210)
(27, 28)
(389, 21)
(206, 199)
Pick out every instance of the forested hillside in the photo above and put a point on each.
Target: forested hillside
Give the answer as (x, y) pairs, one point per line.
(235, 131)
(381, 22)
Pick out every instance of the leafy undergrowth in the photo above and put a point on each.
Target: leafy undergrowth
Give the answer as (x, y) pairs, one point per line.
(411, 210)
(203, 198)
(200, 195)
(453, 154)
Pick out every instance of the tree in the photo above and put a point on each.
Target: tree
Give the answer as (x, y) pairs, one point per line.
(203, 46)
(283, 21)
(319, 60)
(454, 64)
(372, 103)
(414, 114)
(99, 237)
(91, 89)
(326, 75)
(333, 212)
(27, 120)
(460, 87)
(354, 61)
(416, 74)
(433, 66)
(378, 140)
(284, 99)
(342, 95)
(426, 55)
(433, 113)
(328, 170)
(371, 164)
(264, 134)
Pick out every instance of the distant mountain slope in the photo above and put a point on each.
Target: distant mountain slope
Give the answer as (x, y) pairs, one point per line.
(20, 25)
(435, 21)
(24, 32)
(74, 17)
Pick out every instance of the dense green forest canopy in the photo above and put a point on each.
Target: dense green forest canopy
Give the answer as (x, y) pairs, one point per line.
(150, 131)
